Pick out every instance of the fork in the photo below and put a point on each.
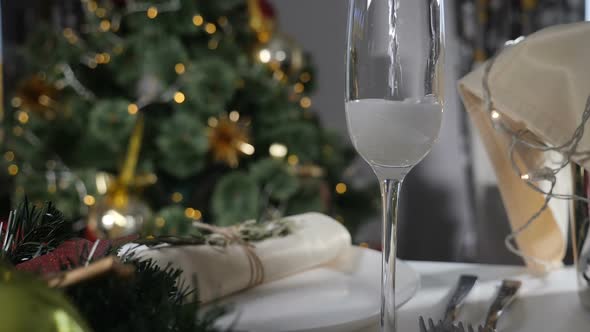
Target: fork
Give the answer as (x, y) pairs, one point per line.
(464, 286)
(447, 327)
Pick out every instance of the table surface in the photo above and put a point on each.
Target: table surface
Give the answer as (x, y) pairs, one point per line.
(545, 303)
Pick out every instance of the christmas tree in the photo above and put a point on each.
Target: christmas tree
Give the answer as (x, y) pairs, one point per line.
(144, 115)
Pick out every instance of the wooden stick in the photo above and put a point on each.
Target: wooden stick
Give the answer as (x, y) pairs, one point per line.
(94, 270)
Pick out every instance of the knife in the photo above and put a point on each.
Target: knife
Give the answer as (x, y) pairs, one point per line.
(464, 286)
(506, 294)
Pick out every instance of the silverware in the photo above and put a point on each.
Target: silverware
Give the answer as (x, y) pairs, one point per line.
(464, 286)
(445, 327)
(506, 294)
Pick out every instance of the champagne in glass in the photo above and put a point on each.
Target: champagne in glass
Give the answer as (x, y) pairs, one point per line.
(394, 71)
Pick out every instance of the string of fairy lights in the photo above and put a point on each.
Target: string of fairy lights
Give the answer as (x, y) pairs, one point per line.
(100, 19)
(535, 177)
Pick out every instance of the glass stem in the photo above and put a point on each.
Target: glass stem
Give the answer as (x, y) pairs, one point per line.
(390, 189)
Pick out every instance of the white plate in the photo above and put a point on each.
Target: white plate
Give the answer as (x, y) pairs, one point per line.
(342, 296)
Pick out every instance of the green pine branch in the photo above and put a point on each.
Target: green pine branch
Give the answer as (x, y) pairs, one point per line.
(32, 231)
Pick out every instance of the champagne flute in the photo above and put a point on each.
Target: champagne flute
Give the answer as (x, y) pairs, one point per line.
(394, 71)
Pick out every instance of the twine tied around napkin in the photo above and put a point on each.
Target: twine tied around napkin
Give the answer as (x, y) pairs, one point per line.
(231, 235)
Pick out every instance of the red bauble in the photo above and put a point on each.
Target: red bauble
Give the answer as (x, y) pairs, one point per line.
(267, 9)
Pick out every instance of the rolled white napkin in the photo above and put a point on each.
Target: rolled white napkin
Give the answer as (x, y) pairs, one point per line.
(219, 271)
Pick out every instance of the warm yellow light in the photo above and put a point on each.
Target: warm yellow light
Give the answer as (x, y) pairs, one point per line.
(160, 222)
(9, 156)
(234, 116)
(16, 102)
(293, 160)
(363, 245)
(298, 88)
(212, 122)
(44, 100)
(305, 102)
(101, 12)
(193, 213)
(198, 214)
(68, 33)
(247, 149)
(198, 20)
(279, 75)
(102, 58)
(179, 97)
(213, 44)
(152, 12)
(177, 197)
(210, 28)
(23, 117)
(305, 77)
(495, 115)
(277, 150)
(17, 130)
(341, 188)
(13, 169)
(264, 56)
(89, 200)
(92, 6)
(179, 68)
(222, 20)
(105, 25)
(132, 109)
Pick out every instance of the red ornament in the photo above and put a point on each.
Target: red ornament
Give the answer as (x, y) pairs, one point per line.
(268, 11)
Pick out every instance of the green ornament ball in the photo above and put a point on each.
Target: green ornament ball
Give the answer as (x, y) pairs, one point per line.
(28, 305)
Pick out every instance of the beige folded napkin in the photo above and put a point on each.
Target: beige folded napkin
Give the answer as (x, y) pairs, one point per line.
(219, 271)
(541, 84)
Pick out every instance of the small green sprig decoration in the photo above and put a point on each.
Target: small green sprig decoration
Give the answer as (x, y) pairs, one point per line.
(248, 231)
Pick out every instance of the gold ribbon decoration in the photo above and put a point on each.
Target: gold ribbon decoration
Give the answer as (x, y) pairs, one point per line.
(262, 25)
(120, 191)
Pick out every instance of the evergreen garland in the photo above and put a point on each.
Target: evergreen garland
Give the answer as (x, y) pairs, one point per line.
(33, 231)
(150, 300)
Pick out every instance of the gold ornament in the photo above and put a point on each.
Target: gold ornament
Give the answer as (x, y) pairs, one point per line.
(260, 23)
(21, 296)
(283, 55)
(228, 139)
(36, 95)
(118, 216)
(122, 213)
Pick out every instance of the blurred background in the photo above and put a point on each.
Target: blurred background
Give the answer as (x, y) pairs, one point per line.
(139, 116)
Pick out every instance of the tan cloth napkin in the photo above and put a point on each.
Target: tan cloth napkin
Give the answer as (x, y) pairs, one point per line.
(540, 84)
(316, 239)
